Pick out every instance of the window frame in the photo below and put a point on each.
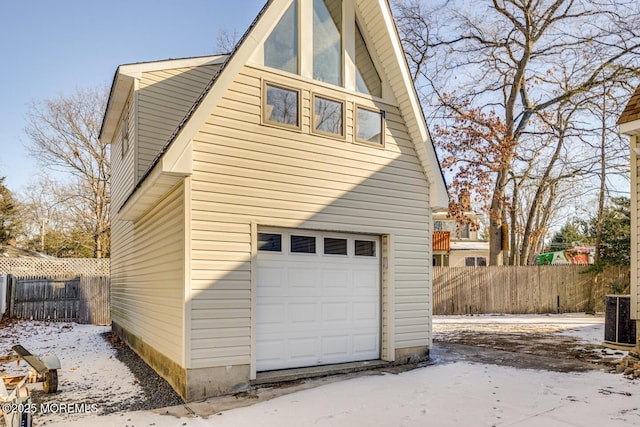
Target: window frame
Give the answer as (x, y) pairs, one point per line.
(324, 242)
(125, 137)
(298, 37)
(343, 55)
(260, 249)
(315, 131)
(357, 30)
(365, 240)
(381, 144)
(476, 261)
(464, 231)
(315, 244)
(265, 118)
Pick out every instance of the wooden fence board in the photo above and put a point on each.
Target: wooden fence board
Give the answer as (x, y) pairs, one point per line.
(523, 289)
(82, 299)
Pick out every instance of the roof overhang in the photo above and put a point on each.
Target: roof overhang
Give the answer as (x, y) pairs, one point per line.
(125, 77)
(630, 128)
(469, 246)
(165, 175)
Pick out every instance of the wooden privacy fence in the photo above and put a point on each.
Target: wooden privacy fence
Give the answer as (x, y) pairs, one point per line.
(81, 299)
(524, 289)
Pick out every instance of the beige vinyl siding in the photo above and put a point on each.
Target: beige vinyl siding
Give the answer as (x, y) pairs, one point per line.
(122, 168)
(245, 171)
(147, 272)
(165, 97)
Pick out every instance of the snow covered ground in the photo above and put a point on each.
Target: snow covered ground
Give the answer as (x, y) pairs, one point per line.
(444, 394)
(90, 374)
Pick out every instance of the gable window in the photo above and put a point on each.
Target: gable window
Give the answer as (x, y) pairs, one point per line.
(369, 126)
(367, 78)
(328, 116)
(281, 48)
(282, 105)
(327, 41)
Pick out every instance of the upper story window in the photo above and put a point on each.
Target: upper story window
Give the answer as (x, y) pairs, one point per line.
(335, 49)
(124, 131)
(328, 116)
(282, 105)
(281, 48)
(369, 126)
(327, 41)
(367, 78)
(464, 231)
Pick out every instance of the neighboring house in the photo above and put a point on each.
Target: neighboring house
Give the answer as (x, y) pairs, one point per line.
(629, 122)
(272, 207)
(456, 244)
(12, 251)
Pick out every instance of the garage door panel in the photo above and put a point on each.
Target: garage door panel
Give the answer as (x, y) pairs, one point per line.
(336, 346)
(362, 279)
(302, 277)
(333, 312)
(302, 313)
(336, 280)
(303, 349)
(271, 351)
(365, 311)
(270, 281)
(272, 314)
(317, 308)
(366, 344)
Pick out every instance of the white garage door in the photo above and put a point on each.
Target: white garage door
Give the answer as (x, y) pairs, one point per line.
(318, 298)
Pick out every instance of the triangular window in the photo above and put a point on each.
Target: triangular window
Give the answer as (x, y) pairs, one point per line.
(367, 78)
(281, 48)
(327, 41)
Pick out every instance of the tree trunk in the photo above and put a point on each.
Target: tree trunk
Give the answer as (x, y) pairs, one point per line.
(496, 216)
(603, 183)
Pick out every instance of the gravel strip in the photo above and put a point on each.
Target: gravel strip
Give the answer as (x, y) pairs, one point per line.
(157, 393)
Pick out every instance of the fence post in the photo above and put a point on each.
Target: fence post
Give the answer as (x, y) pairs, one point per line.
(11, 281)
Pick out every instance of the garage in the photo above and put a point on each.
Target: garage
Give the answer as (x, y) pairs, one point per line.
(318, 298)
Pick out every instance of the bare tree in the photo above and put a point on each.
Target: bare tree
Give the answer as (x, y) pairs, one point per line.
(64, 137)
(510, 60)
(227, 39)
(51, 224)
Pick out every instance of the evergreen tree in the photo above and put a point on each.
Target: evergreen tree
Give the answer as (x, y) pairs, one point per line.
(9, 215)
(615, 247)
(573, 233)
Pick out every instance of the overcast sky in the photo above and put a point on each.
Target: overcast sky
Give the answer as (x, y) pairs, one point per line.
(50, 48)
